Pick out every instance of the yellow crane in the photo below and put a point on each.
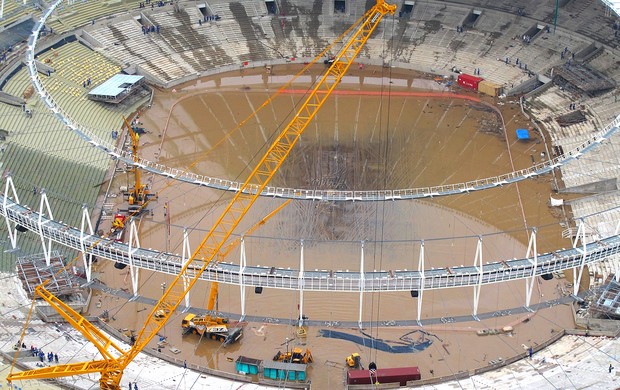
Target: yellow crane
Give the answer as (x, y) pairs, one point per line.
(115, 359)
(137, 195)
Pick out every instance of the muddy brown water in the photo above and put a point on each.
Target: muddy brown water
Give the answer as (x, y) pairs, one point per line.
(367, 139)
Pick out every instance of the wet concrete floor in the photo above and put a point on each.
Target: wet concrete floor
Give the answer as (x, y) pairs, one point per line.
(376, 136)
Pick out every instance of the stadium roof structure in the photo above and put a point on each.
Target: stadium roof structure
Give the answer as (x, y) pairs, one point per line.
(614, 5)
(15, 34)
(116, 88)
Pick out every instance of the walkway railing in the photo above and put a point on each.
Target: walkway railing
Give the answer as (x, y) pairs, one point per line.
(324, 280)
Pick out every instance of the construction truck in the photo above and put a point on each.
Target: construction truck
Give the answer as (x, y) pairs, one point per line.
(215, 328)
(354, 360)
(294, 356)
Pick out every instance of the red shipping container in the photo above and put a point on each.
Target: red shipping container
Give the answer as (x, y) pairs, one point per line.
(469, 81)
(384, 375)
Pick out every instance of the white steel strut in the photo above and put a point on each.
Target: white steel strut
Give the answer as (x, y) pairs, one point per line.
(529, 267)
(87, 257)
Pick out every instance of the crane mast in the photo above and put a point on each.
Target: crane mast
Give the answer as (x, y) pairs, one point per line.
(204, 257)
(191, 321)
(225, 251)
(138, 195)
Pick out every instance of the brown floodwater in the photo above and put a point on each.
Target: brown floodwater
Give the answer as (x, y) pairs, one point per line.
(376, 133)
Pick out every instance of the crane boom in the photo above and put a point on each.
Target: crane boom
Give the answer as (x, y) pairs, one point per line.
(248, 193)
(232, 245)
(137, 195)
(191, 321)
(205, 255)
(96, 336)
(61, 370)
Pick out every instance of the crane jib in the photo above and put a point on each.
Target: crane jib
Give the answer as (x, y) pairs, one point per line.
(375, 17)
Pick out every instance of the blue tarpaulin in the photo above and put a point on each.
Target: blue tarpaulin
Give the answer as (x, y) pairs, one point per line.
(523, 134)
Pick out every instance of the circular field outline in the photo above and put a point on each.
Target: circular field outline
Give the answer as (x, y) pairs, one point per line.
(296, 193)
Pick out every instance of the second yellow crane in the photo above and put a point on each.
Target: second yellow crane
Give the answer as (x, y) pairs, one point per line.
(139, 194)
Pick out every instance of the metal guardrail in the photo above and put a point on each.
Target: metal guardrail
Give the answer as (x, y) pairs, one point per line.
(323, 280)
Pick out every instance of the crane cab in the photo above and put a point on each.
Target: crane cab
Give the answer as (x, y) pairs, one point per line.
(354, 360)
(187, 321)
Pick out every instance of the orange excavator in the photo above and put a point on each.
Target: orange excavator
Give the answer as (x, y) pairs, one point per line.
(354, 360)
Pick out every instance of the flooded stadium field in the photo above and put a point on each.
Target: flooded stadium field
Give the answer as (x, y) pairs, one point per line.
(381, 129)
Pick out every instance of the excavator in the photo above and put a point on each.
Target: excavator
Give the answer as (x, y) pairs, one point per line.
(114, 358)
(117, 231)
(297, 355)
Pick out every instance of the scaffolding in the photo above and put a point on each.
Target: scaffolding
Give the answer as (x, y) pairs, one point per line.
(33, 270)
(608, 303)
